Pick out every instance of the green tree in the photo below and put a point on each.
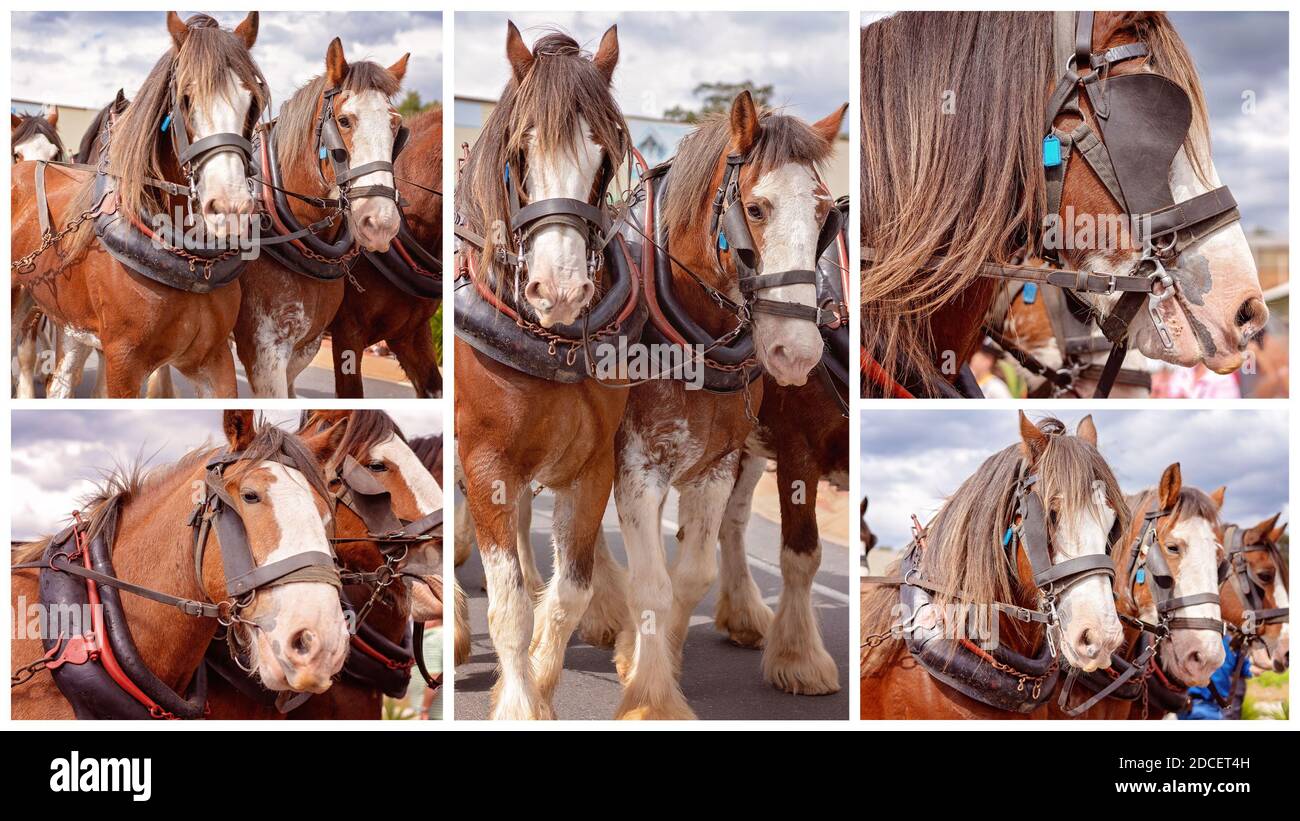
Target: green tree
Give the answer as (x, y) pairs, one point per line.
(716, 98)
(411, 104)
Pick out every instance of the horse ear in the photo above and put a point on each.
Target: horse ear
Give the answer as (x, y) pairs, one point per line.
(238, 426)
(398, 69)
(828, 127)
(52, 115)
(1217, 496)
(607, 55)
(177, 29)
(1275, 535)
(1087, 430)
(1032, 440)
(336, 65)
(1171, 484)
(521, 59)
(14, 120)
(247, 30)
(744, 123)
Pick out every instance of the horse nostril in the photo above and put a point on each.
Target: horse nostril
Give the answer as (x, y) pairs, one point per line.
(1248, 312)
(303, 642)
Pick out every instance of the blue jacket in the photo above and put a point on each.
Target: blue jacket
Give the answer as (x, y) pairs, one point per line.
(1204, 707)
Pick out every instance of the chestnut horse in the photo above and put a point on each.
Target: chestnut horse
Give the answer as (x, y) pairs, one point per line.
(1265, 571)
(691, 440)
(141, 325)
(34, 137)
(1186, 535)
(376, 443)
(379, 309)
(556, 122)
(970, 561)
(952, 170)
(283, 314)
(803, 429)
(294, 633)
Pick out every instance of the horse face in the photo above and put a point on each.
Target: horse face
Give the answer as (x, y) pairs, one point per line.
(36, 148)
(1272, 653)
(1192, 550)
(785, 210)
(559, 282)
(221, 183)
(414, 495)
(1090, 629)
(302, 639)
(369, 124)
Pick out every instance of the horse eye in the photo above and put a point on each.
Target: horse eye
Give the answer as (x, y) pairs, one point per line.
(377, 467)
(345, 121)
(250, 496)
(754, 212)
(1173, 548)
(1266, 576)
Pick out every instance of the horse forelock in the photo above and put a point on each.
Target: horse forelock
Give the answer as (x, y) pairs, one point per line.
(33, 125)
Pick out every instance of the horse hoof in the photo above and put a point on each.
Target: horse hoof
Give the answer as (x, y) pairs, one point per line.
(809, 674)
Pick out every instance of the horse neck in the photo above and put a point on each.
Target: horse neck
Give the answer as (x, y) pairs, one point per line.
(152, 548)
(304, 175)
(958, 325)
(708, 314)
(421, 162)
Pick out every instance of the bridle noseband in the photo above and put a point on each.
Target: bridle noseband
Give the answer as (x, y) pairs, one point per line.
(730, 232)
(331, 146)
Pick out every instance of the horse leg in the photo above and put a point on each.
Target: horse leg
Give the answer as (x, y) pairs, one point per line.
(700, 509)
(644, 656)
(461, 635)
(160, 385)
(493, 501)
(576, 524)
(606, 615)
(345, 350)
(795, 659)
(419, 360)
(298, 362)
(524, 544)
(23, 337)
(213, 375)
(740, 612)
(71, 364)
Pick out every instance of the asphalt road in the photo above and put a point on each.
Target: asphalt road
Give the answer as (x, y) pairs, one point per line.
(313, 383)
(721, 681)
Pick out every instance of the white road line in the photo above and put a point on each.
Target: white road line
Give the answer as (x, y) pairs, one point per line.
(671, 528)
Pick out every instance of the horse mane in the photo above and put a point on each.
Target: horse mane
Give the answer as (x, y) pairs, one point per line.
(87, 151)
(136, 150)
(963, 185)
(561, 87)
(34, 125)
(782, 139)
(964, 554)
(295, 127)
(1192, 503)
(365, 429)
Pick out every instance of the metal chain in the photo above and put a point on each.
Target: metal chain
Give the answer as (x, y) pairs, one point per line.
(26, 264)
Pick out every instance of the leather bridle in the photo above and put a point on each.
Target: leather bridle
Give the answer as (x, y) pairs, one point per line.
(1235, 568)
(331, 148)
(191, 157)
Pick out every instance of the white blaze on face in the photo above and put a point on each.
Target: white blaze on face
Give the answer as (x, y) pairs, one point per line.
(222, 182)
(288, 612)
(558, 284)
(788, 347)
(374, 219)
(1274, 655)
(1090, 628)
(428, 498)
(37, 147)
(1195, 654)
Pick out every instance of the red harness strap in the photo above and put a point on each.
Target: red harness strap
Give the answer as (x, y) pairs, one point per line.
(392, 664)
(877, 375)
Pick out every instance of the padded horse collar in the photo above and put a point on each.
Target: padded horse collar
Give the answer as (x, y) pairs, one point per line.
(1236, 569)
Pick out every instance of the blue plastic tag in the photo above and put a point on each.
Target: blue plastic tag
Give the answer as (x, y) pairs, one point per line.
(722, 241)
(1051, 151)
(166, 122)
(1006, 537)
(1142, 575)
(1029, 293)
(322, 152)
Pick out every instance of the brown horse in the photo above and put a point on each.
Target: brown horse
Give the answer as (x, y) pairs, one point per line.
(803, 430)
(379, 309)
(376, 443)
(673, 436)
(558, 117)
(967, 566)
(952, 179)
(141, 325)
(283, 314)
(1269, 577)
(294, 633)
(1187, 536)
(35, 137)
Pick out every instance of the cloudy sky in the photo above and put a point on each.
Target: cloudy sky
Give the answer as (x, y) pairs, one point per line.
(81, 58)
(913, 459)
(56, 454)
(1236, 53)
(664, 55)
